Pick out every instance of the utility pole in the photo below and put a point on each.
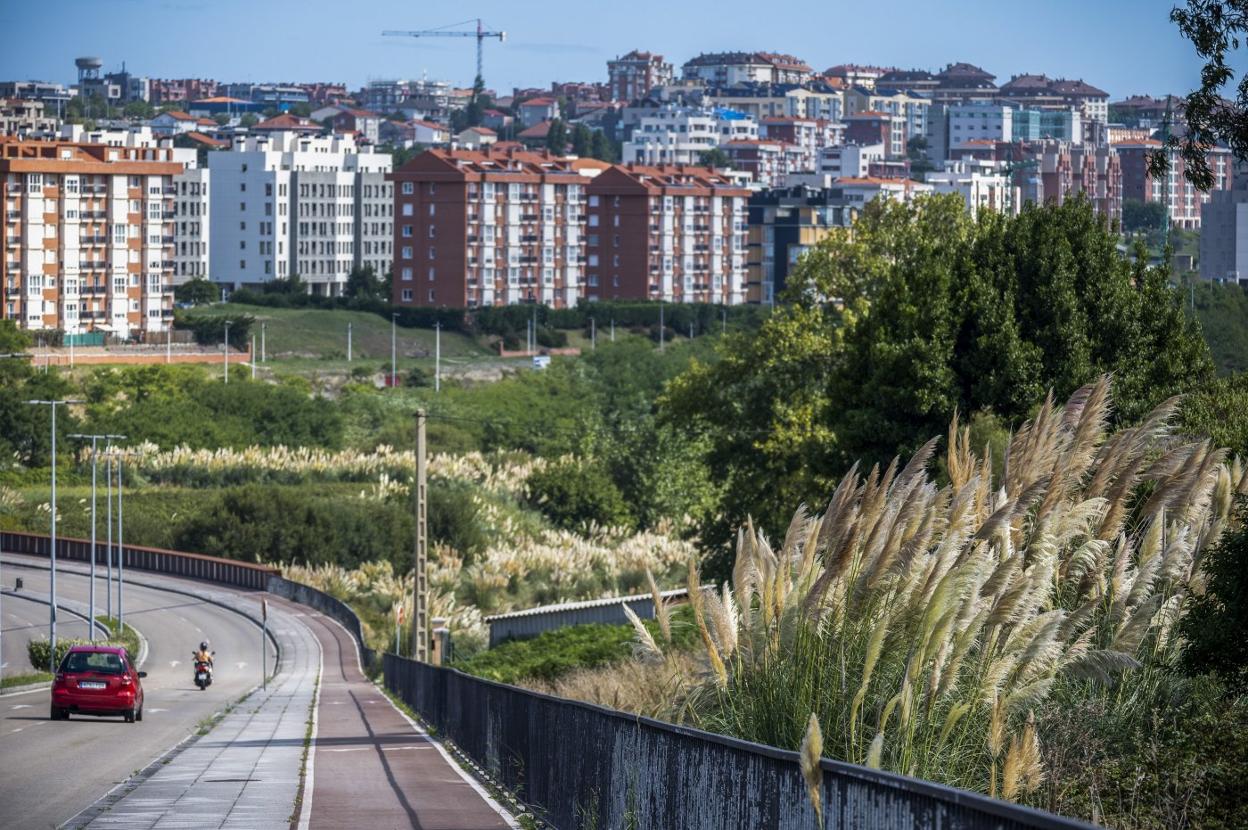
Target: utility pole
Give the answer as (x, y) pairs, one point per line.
(108, 552)
(253, 357)
(661, 332)
(724, 326)
(95, 455)
(169, 344)
(264, 358)
(348, 342)
(612, 329)
(593, 334)
(121, 550)
(53, 404)
(394, 371)
(437, 356)
(420, 609)
(226, 352)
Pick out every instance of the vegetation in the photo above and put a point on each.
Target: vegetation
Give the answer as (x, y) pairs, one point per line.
(1216, 619)
(1223, 314)
(918, 313)
(38, 651)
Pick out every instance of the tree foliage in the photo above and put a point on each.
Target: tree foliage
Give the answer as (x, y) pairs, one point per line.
(1214, 623)
(1217, 29)
(197, 292)
(575, 495)
(1143, 216)
(919, 311)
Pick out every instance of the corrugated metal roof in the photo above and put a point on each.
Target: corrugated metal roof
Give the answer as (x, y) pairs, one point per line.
(589, 603)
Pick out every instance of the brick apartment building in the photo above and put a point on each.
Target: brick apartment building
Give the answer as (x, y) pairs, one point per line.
(88, 236)
(633, 75)
(477, 228)
(1184, 199)
(670, 232)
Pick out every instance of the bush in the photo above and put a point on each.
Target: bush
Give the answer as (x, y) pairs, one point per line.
(551, 338)
(453, 518)
(574, 494)
(417, 378)
(1214, 623)
(552, 653)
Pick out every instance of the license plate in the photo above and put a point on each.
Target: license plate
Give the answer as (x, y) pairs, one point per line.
(92, 684)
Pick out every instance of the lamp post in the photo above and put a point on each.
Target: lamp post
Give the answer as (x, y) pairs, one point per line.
(121, 548)
(437, 356)
(348, 342)
(226, 351)
(53, 404)
(394, 369)
(253, 357)
(95, 455)
(264, 357)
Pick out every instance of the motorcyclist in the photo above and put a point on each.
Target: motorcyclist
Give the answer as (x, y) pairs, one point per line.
(204, 655)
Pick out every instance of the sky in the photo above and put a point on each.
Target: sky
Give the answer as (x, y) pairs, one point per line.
(1122, 46)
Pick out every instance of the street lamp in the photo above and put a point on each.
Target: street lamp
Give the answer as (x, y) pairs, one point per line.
(394, 372)
(121, 547)
(226, 351)
(53, 404)
(94, 552)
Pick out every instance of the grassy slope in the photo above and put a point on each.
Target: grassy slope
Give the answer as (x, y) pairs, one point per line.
(300, 332)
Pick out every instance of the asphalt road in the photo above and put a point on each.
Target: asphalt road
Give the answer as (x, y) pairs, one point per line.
(49, 771)
(24, 620)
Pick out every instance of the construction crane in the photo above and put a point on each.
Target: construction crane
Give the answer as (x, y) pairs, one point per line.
(480, 34)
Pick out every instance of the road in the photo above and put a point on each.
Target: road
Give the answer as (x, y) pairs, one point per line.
(24, 619)
(49, 771)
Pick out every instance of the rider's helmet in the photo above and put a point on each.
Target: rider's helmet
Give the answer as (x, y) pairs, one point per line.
(203, 646)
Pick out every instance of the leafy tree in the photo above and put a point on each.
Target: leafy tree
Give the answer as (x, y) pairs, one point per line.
(557, 137)
(1214, 622)
(575, 494)
(301, 110)
(603, 148)
(211, 329)
(362, 283)
(138, 110)
(221, 118)
(1143, 216)
(582, 141)
(248, 120)
(1223, 313)
(1219, 411)
(916, 152)
(714, 157)
(197, 292)
(1217, 28)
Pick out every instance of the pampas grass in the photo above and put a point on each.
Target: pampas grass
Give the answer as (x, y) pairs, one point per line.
(923, 622)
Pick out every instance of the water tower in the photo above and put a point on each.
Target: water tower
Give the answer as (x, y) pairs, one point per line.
(88, 69)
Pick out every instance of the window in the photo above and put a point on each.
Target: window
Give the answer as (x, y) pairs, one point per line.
(407, 231)
(431, 293)
(433, 252)
(407, 292)
(407, 208)
(432, 233)
(407, 274)
(593, 201)
(407, 188)
(593, 220)
(432, 274)
(407, 252)
(119, 234)
(432, 209)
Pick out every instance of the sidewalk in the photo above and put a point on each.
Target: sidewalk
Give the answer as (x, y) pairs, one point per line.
(245, 772)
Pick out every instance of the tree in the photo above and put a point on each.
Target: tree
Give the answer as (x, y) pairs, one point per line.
(1219, 411)
(603, 148)
(582, 141)
(197, 292)
(916, 152)
(248, 120)
(1217, 28)
(576, 494)
(1214, 623)
(362, 283)
(714, 157)
(221, 118)
(136, 110)
(301, 110)
(914, 314)
(1149, 217)
(557, 137)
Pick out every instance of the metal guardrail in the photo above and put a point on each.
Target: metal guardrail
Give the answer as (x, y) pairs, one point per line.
(521, 625)
(640, 772)
(155, 560)
(328, 605)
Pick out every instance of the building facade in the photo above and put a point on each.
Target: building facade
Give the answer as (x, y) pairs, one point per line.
(783, 225)
(665, 232)
(680, 135)
(479, 228)
(88, 237)
(1224, 236)
(1182, 200)
(285, 204)
(633, 75)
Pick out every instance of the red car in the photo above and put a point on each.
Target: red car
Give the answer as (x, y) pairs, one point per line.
(98, 680)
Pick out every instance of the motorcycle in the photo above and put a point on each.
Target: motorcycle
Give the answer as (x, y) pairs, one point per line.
(203, 673)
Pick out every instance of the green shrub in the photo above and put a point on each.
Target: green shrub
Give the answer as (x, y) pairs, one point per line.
(574, 494)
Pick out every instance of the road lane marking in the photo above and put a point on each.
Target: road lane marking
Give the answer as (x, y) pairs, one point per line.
(21, 706)
(173, 664)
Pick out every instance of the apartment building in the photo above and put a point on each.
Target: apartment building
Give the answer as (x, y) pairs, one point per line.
(176, 90)
(783, 225)
(813, 99)
(481, 228)
(910, 110)
(951, 126)
(1182, 200)
(285, 204)
(878, 128)
(1224, 235)
(680, 135)
(964, 83)
(88, 236)
(807, 135)
(730, 68)
(631, 76)
(665, 232)
(1041, 92)
(767, 162)
(18, 117)
(980, 184)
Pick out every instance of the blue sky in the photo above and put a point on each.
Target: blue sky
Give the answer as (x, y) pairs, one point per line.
(1122, 46)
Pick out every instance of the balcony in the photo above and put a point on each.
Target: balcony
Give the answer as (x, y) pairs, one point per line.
(166, 240)
(13, 214)
(13, 240)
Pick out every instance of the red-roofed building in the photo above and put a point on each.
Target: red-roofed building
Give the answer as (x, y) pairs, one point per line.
(488, 228)
(633, 75)
(537, 110)
(288, 124)
(364, 122)
(1181, 198)
(873, 127)
(174, 122)
(668, 232)
(535, 136)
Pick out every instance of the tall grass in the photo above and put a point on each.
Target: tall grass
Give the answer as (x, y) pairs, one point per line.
(924, 623)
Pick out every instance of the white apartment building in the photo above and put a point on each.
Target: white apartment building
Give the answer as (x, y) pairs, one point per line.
(849, 160)
(979, 184)
(285, 204)
(950, 126)
(88, 237)
(679, 135)
(191, 256)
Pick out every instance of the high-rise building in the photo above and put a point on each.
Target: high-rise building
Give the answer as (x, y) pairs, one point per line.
(88, 236)
(479, 228)
(633, 75)
(783, 225)
(665, 232)
(1180, 197)
(285, 204)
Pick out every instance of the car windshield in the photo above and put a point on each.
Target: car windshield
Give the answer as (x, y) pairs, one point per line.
(104, 662)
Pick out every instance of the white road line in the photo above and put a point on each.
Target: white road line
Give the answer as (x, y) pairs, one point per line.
(309, 775)
(21, 706)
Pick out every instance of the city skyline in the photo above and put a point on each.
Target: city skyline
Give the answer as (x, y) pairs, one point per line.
(551, 43)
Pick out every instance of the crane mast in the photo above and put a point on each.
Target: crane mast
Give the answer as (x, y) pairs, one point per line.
(481, 33)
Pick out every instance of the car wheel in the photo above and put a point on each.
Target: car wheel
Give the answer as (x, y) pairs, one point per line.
(129, 716)
(139, 714)
(57, 713)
